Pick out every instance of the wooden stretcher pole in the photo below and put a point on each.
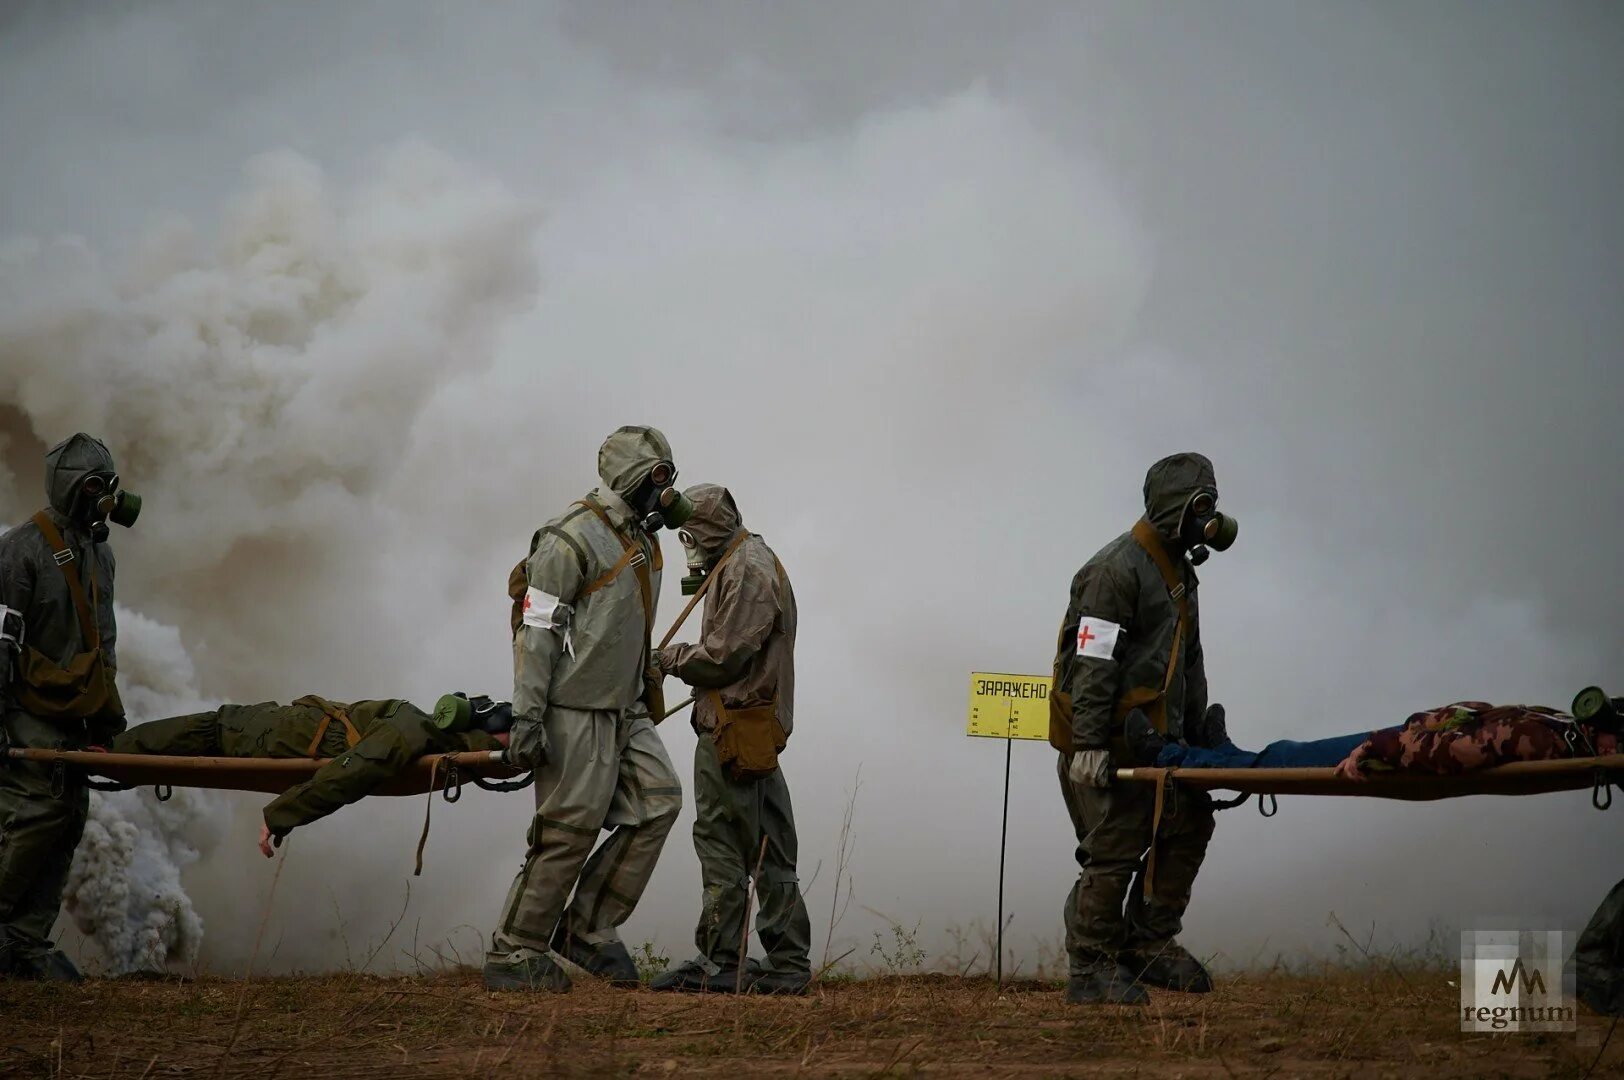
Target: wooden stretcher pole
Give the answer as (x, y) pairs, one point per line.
(269, 775)
(1513, 778)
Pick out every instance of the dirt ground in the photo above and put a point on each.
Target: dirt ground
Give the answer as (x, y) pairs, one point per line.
(1334, 1024)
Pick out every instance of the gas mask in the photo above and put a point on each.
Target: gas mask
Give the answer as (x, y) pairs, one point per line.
(658, 502)
(1592, 706)
(458, 712)
(1202, 527)
(100, 500)
(698, 564)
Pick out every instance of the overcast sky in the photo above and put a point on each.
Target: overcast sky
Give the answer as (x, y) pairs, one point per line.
(928, 286)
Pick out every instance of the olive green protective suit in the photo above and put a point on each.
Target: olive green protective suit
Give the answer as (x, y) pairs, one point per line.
(393, 734)
(39, 826)
(1108, 915)
(579, 656)
(746, 652)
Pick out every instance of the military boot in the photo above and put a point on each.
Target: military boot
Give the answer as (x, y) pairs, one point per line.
(1105, 984)
(37, 965)
(1145, 743)
(58, 968)
(607, 961)
(1170, 967)
(1209, 730)
(698, 977)
(760, 980)
(524, 969)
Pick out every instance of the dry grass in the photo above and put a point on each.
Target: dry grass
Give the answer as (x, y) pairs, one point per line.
(1337, 1023)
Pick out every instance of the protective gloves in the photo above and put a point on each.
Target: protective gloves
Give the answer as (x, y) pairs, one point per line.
(1090, 768)
(527, 744)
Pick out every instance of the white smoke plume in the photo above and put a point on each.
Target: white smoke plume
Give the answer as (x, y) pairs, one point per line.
(263, 383)
(259, 387)
(124, 891)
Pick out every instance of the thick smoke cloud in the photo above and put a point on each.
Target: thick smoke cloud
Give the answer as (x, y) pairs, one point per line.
(928, 289)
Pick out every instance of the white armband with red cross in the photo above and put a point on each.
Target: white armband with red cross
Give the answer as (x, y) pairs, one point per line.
(545, 611)
(1097, 637)
(11, 628)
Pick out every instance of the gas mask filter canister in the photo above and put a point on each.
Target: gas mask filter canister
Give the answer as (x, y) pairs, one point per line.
(666, 506)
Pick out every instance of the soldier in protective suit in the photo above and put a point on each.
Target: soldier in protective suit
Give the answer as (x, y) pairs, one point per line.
(743, 672)
(584, 691)
(58, 663)
(368, 742)
(1131, 641)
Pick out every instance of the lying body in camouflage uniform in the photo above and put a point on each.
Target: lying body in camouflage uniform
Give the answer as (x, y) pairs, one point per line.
(388, 735)
(1471, 735)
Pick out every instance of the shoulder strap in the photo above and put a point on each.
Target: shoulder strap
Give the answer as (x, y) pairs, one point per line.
(704, 586)
(1145, 535)
(632, 554)
(63, 554)
(331, 711)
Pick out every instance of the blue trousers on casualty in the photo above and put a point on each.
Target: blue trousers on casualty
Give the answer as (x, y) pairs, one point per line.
(1284, 754)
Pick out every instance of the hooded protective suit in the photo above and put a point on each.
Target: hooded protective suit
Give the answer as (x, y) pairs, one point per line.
(1122, 601)
(389, 735)
(746, 654)
(580, 654)
(39, 830)
(1598, 958)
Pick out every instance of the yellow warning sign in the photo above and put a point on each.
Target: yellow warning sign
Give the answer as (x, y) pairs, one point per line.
(1009, 706)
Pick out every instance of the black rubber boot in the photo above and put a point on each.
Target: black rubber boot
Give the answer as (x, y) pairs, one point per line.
(608, 961)
(1145, 743)
(777, 982)
(1105, 985)
(50, 965)
(695, 977)
(1172, 968)
(518, 971)
(58, 968)
(1210, 730)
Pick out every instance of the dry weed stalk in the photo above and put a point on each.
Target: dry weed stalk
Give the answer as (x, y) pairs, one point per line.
(837, 910)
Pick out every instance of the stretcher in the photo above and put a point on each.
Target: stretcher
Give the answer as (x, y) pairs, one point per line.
(1517, 778)
(434, 772)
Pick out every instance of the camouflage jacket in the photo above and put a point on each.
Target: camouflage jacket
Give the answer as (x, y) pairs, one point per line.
(1470, 735)
(393, 735)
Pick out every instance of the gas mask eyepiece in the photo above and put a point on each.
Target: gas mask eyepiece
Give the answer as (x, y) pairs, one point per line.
(665, 506)
(697, 568)
(1205, 530)
(100, 500)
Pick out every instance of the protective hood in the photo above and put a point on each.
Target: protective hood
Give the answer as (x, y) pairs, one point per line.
(716, 517)
(629, 455)
(1169, 485)
(68, 463)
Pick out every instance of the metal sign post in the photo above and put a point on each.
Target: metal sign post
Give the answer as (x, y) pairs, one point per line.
(1007, 707)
